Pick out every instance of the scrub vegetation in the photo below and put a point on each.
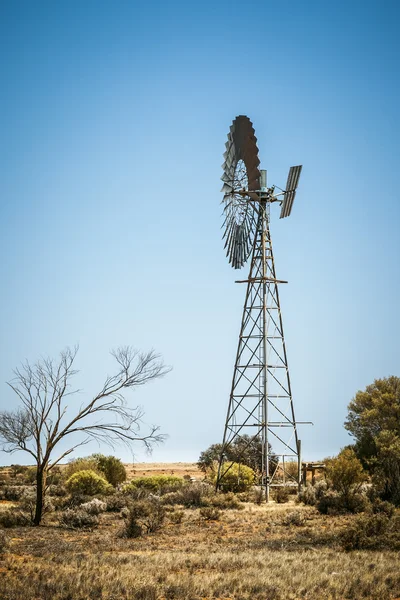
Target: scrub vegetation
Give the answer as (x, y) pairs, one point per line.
(115, 533)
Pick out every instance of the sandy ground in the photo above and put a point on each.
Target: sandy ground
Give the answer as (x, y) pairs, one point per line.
(178, 469)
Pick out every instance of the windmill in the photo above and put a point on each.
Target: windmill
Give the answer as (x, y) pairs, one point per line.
(260, 420)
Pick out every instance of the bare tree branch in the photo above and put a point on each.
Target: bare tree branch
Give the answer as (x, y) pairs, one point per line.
(42, 422)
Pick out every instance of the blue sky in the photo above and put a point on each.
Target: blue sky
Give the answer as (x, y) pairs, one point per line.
(114, 117)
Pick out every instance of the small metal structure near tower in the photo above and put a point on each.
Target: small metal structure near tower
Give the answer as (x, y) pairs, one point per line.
(260, 416)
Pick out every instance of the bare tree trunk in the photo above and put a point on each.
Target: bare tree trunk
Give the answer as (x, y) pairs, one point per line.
(40, 490)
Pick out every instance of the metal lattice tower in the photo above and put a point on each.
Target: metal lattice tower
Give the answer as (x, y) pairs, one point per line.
(260, 417)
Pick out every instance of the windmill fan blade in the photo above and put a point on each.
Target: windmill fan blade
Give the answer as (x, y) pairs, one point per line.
(290, 192)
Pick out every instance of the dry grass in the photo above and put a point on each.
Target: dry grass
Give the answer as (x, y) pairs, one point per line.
(256, 553)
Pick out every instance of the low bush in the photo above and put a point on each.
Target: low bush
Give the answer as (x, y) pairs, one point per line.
(27, 503)
(58, 491)
(281, 495)
(77, 518)
(307, 495)
(190, 495)
(94, 507)
(381, 506)
(258, 496)
(144, 516)
(14, 492)
(225, 501)
(87, 483)
(14, 518)
(210, 513)
(372, 532)
(330, 503)
(116, 502)
(176, 516)
(295, 517)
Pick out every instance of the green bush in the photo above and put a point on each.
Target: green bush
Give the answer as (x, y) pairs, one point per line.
(88, 483)
(81, 464)
(345, 473)
(111, 467)
(77, 518)
(236, 477)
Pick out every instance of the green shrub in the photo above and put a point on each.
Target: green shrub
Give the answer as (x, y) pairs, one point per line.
(81, 464)
(159, 484)
(77, 518)
(236, 477)
(210, 513)
(372, 532)
(112, 468)
(14, 518)
(346, 475)
(88, 483)
(282, 495)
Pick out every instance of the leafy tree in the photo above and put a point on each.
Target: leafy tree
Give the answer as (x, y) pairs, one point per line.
(243, 450)
(48, 416)
(386, 466)
(374, 421)
(372, 411)
(112, 467)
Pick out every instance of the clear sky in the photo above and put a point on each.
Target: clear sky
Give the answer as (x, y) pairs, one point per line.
(114, 117)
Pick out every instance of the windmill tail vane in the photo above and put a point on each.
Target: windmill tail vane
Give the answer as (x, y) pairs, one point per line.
(260, 420)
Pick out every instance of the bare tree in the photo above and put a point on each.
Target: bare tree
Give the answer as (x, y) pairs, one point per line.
(45, 418)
